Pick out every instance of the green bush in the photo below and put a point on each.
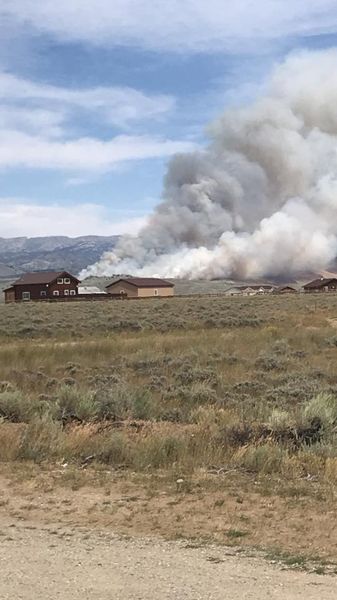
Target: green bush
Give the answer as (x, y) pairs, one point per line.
(324, 408)
(71, 401)
(19, 408)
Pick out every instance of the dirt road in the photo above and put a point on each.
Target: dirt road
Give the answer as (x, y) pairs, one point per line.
(39, 562)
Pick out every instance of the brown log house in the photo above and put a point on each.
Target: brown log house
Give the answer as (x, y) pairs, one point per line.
(44, 285)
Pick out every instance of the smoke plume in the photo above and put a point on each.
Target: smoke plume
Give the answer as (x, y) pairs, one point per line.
(261, 200)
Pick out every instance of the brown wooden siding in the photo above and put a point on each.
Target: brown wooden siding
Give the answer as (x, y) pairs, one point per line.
(42, 291)
(330, 287)
(10, 295)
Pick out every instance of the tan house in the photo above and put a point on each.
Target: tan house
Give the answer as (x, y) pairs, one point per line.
(140, 287)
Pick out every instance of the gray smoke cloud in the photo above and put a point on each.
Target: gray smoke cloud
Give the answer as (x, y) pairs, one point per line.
(261, 200)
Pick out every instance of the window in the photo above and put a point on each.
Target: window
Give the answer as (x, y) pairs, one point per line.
(43, 294)
(72, 292)
(25, 295)
(56, 293)
(66, 280)
(59, 281)
(66, 292)
(156, 292)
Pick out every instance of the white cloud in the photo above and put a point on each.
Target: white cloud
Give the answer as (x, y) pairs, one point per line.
(115, 105)
(37, 126)
(191, 25)
(33, 121)
(25, 218)
(88, 154)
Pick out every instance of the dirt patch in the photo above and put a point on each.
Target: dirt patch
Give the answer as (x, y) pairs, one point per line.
(44, 563)
(332, 323)
(229, 508)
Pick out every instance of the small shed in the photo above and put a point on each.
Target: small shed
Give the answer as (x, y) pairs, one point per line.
(141, 287)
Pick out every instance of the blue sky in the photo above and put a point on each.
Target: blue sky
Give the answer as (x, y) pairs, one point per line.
(95, 96)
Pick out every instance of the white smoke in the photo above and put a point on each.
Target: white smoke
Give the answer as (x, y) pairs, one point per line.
(261, 200)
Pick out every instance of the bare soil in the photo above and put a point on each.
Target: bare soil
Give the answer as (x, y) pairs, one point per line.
(41, 563)
(299, 518)
(75, 534)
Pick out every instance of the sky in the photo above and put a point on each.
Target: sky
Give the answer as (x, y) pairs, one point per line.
(97, 95)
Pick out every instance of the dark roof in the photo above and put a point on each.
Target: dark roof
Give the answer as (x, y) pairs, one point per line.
(41, 277)
(254, 287)
(143, 282)
(319, 283)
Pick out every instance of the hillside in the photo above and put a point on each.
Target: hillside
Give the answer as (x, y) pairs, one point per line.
(18, 255)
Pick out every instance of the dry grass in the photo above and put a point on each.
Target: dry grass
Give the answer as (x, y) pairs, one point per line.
(199, 390)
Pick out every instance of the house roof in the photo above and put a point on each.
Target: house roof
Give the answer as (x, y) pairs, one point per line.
(41, 277)
(252, 287)
(319, 283)
(143, 282)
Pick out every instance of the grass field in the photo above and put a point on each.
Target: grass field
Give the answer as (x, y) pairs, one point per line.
(222, 412)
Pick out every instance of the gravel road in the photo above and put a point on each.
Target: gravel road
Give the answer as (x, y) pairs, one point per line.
(45, 563)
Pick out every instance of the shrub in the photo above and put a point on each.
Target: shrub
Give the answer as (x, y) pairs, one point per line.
(269, 362)
(142, 405)
(189, 374)
(71, 401)
(266, 458)
(41, 440)
(201, 393)
(157, 451)
(18, 408)
(6, 386)
(115, 449)
(280, 347)
(324, 408)
(279, 419)
(332, 341)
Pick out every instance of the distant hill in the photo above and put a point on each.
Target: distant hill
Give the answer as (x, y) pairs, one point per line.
(18, 255)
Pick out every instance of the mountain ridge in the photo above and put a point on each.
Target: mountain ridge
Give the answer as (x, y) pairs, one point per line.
(51, 253)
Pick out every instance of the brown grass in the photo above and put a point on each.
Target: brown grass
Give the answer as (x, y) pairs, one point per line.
(183, 395)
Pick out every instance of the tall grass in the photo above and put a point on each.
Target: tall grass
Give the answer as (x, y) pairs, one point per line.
(202, 383)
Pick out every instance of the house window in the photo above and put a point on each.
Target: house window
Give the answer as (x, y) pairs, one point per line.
(56, 293)
(72, 292)
(43, 294)
(25, 295)
(156, 292)
(66, 280)
(66, 292)
(60, 281)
